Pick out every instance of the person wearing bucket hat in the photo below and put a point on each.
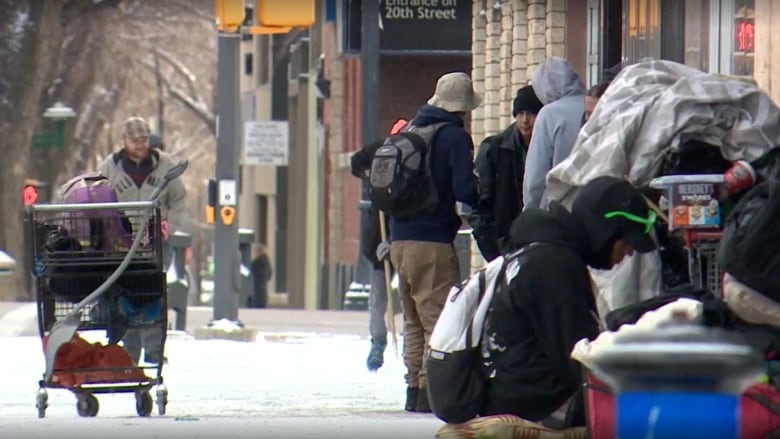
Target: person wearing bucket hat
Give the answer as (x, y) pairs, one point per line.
(455, 94)
(422, 250)
(550, 304)
(500, 162)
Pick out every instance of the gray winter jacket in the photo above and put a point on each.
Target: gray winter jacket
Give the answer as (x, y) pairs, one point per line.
(173, 198)
(557, 125)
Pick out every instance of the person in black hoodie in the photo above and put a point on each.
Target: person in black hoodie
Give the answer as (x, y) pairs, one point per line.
(422, 247)
(500, 163)
(549, 303)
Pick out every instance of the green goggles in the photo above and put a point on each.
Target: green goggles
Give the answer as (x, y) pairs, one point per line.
(647, 222)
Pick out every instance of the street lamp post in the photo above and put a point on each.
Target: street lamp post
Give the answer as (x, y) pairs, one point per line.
(59, 113)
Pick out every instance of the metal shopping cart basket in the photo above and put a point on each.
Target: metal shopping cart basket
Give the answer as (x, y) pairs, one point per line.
(697, 215)
(68, 268)
(99, 266)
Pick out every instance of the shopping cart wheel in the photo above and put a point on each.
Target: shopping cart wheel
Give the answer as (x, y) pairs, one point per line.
(42, 402)
(144, 404)
(162, 399)
(87, 405)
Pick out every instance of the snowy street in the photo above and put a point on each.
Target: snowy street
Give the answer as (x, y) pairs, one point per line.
(283, 385)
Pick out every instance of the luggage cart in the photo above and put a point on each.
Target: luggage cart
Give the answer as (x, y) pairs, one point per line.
(70, 261)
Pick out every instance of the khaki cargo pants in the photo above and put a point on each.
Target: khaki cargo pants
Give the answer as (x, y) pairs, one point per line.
(426, 272)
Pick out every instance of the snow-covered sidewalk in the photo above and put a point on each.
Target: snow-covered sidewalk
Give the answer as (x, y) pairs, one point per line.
(282, 383)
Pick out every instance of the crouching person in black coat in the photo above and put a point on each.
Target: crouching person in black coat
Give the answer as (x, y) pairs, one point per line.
(549, 303)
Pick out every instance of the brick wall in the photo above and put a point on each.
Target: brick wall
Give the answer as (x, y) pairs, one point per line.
(345, 187)
(408, 81)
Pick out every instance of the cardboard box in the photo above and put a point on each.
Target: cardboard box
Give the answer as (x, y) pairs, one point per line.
(693, 200)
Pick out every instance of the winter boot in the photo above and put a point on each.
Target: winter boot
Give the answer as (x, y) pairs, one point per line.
(376, 354)
(412, 394)
(422, 405)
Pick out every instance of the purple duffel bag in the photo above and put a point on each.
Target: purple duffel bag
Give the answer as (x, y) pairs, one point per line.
(94, 229)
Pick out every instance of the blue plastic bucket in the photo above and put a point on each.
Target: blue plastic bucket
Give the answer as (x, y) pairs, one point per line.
(676, 415)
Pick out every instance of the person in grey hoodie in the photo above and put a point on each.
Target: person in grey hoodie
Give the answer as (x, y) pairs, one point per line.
(562, 92)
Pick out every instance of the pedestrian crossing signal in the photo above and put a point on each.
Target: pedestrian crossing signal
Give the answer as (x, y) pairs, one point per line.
(29, 195)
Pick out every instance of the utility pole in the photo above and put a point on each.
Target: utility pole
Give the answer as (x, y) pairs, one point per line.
(313, 247)
(369, 55)
(227, 281)
(271, 17)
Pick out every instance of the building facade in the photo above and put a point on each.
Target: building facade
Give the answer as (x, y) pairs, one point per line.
(499, 43)
(728, 37)
(415, 49)
(502, 43)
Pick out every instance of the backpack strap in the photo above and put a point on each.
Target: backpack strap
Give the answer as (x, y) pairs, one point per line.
(500, 283)
(427, 133)
(511, 257)
(482, 288)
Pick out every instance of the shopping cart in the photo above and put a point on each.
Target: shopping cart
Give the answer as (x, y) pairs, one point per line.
(83, 285)
(696, 215)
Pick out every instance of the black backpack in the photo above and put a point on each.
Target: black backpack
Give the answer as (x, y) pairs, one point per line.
(399, 181)
(750, 247)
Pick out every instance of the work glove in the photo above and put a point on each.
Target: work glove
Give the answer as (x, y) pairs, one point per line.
(382, 250)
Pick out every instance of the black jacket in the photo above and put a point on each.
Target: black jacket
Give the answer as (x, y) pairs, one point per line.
(547, 307)
(369, 224)
(500, 163)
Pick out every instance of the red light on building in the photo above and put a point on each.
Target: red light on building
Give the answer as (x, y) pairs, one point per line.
(746, 35)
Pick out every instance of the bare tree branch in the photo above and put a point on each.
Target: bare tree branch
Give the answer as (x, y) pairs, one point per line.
(145, 37)
(199, 108)
(194, 103)
(183, 70)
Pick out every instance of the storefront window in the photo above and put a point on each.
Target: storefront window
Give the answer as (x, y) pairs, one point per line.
(697, 34)
(744, 37)
(641, 32)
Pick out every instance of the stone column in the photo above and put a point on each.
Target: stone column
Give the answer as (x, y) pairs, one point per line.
(506, 86)
(537, 40)
(478, 41)
(555, 33)
(767, 14)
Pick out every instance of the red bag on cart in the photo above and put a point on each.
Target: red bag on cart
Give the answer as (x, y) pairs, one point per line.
(599, 409)
(760, 413)
(760, 406)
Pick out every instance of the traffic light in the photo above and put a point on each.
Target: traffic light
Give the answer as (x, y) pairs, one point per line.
(230, 14)
(29, 195)
(285, 13)
(35, 192)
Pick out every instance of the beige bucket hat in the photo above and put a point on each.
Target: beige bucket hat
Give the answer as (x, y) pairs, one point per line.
(455, 93)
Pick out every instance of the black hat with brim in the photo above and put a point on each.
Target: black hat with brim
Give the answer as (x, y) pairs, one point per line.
(612, 208)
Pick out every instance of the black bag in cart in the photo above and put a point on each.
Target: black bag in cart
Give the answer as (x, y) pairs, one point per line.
(750, 247)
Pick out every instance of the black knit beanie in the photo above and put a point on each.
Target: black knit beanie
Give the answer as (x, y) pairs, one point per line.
(526, 100)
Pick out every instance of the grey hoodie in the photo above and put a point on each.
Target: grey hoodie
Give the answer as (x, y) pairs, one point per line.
(562, 92)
